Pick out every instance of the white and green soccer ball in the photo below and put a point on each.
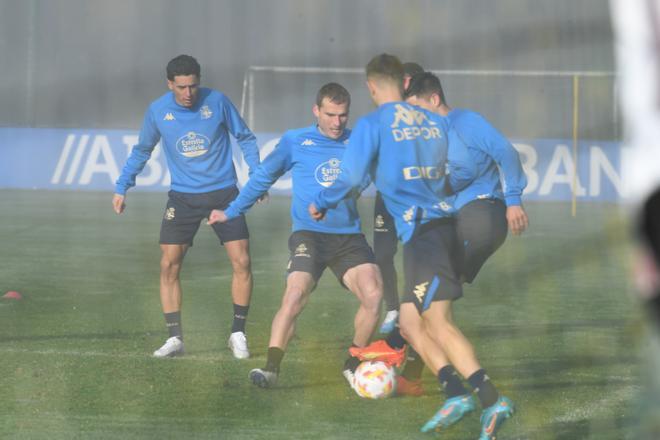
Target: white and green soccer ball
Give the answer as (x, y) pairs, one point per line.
(374, 380)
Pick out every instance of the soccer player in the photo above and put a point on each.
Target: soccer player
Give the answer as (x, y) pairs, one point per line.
(313, 154)
(490, 204)
(193, 125)
(386, 241)
(416, 161)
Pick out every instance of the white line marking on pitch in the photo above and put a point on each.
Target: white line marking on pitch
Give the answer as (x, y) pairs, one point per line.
(79, 353)
(588, 411)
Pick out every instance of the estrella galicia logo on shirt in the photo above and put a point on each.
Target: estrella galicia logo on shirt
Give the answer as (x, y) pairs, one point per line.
(327, 172)
(193, 144)
(418, 125)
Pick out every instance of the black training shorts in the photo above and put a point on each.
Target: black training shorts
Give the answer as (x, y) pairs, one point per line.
(185, 211)
(312, 252)
(429, 266)
(482, 228)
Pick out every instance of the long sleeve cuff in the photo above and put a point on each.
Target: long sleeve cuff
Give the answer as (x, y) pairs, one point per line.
(513, 200)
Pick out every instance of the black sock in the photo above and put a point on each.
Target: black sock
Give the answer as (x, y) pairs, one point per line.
(240, 315)
(352, 363)
(274, 359)
(395, 340)
(450, 382)
(173, 324)
(486, 391)
(414, 365)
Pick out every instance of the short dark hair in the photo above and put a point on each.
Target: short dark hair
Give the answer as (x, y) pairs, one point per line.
(425, 84)
(411, 69)
(182, 65)
(388, 67)
(334, 92)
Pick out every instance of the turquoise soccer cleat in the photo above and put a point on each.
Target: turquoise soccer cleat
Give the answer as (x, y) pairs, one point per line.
(389, 322)
(451, 412)
(493, 417)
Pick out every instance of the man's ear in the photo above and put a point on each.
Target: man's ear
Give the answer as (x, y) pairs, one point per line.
(435, 99)
(371, 86)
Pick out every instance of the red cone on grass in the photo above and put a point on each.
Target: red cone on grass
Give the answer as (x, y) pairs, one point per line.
(12, 294)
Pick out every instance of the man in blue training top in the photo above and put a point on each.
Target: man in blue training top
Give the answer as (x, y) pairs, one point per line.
(416, 162)
(193, 125)
(386, 241)
(313, 154)
(490, 204)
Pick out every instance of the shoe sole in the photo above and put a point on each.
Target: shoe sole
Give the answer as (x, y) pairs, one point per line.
(239, 355)
(259, 380)
(170, 355)
(392, 360)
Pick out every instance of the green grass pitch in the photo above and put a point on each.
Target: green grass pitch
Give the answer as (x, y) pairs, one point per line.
(550, 315)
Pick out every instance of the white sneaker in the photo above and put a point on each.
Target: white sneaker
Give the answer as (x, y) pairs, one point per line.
(389, 322)
(172, 347)
(263, 378)
(238, 345)
(350, 377)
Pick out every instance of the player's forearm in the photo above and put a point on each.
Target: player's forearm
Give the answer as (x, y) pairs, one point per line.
(248, 145)
(134, 166)
(329, 198)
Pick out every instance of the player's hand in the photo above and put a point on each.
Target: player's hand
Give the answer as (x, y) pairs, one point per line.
(315, 213)
(217, 216)
(118, 203)
(517, 219)
(264, 198)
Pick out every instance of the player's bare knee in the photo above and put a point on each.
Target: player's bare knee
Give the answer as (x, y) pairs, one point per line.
(169, 269)
(241, 265)
(372, 296)
(293, 301)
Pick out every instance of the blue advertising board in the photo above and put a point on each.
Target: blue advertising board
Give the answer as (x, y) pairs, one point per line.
(92, 160)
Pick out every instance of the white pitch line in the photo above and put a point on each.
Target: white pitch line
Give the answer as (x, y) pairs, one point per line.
(79, 353)
(587, 412)
(188, 357)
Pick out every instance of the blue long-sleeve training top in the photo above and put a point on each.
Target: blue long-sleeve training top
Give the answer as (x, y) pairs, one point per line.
(415, 160)
(195, 141)
(495, 158)
(314, 160)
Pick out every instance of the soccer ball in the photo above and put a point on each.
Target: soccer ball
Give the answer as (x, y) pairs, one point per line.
(374, 380)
